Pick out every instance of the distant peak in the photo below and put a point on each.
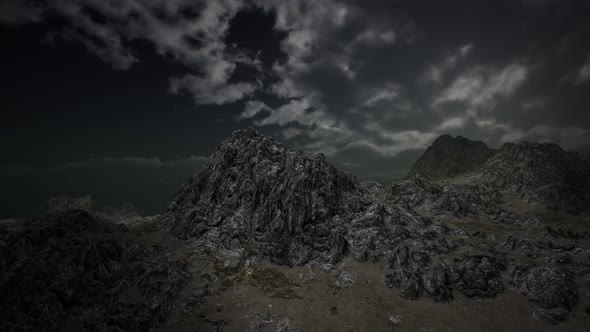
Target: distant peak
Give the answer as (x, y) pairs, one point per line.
(532, 146)
(248, 132)
(442, 138)
(448, 139)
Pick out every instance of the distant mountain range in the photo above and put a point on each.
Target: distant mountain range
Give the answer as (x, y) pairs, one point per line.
(536, 173)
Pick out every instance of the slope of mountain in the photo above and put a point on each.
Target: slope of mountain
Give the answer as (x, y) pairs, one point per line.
(448, 157)
(539, 173)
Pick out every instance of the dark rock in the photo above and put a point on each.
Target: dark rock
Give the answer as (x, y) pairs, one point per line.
(448, 157)
(561, 233)
(548, 286)
(552, 316)
(539, 174)
(454, 200)
(475, 272)
(479, 272)
(278, 203)
(71, 269)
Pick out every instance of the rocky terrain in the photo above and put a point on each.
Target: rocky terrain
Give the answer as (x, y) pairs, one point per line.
(448, 157)
(264, 238)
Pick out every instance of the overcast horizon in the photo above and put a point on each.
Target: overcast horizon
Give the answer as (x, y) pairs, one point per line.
(123, 100)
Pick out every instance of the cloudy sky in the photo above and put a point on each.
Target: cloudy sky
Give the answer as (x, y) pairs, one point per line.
(125, 99)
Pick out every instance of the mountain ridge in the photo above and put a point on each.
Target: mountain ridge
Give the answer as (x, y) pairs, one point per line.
(537, 173)
(448, 157)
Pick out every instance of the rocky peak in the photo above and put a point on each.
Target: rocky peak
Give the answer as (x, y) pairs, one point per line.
(449, 157)
(254, 193)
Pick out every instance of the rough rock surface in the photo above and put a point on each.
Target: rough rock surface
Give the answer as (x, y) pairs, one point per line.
(475, 272)
(72, 269)
(257, 195)
(450, 156)
(451, 199)
(551, 287)
(539, 173)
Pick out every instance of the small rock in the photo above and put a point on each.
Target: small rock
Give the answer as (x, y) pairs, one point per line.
(284, 325)
(394, 320)
(344, 280)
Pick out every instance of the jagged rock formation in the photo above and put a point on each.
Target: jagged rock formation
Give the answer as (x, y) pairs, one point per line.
(255, 194)
(72, 270)
(539, 173)
(449, 157)
(535, 173)
(455, 200)
(475, 271)
(551, 287)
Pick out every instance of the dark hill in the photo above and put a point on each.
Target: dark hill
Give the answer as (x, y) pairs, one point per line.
(256, 194)
(449, 157)
(539, 173)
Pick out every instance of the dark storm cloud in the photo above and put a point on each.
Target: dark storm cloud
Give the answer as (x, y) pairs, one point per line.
(369, 83)
(394, 74)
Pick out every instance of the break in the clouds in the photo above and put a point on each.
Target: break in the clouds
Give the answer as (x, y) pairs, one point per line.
(339, 77)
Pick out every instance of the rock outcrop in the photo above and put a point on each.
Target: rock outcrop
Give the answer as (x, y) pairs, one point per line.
(73, 270)
(457, 200)
(256, 195)
(449, 157)
(551, 287)
(540, 174)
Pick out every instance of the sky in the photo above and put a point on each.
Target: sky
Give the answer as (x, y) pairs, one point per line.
(125, 99)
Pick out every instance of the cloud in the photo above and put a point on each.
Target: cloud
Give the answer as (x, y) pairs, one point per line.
(583, 73)
(480, 87)
(435, 73)
(190, 32)
(207, 91)
(386, 94)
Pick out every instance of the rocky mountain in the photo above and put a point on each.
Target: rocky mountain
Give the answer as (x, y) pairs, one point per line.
(448, 157)
(257, 195)
(539, 173)
(266, 238)
(542, 174)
